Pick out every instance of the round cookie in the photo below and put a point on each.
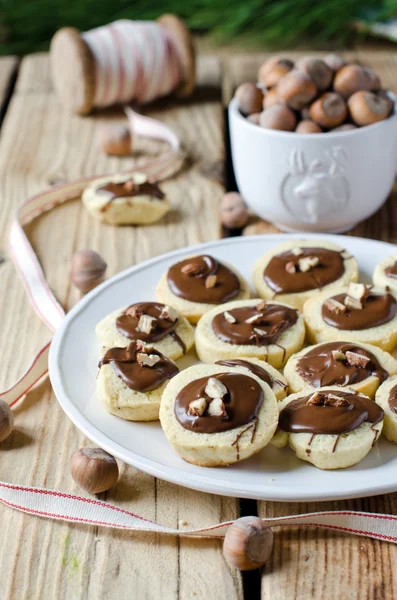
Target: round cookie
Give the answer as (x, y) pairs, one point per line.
(131, 381)
(332, 428)
(371, 320)
(359, 366)
(152, 322)
(125, 200)
(386, 397)
(274, 331)
(214, 415)
(296, 270)
(194, 285)
(385, 273)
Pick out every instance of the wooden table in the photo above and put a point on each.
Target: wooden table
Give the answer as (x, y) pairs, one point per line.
(42, 144)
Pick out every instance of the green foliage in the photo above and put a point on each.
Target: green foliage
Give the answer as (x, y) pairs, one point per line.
(28, 25)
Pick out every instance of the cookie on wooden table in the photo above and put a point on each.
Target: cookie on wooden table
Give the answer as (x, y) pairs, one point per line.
(269, 331)
(131, 381)
(359, 366)
(196, 284)
(125, 200)
(386, 397)
(357, 313)
(332, 428)
(296, 270)
(214, 415)
(385, 273)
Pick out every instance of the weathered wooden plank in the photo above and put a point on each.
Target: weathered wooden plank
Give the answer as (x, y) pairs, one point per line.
(42, 143)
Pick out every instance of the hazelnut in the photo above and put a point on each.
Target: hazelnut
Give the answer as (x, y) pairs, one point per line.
(334, 62)
(345, 127)
(254, 118)
(94, 470)
(116, 139)
(249, 98)
(234, 213)
(88, 270)
(353, 78)
(270, 98)
(6, 420)
(366, 108)
(329, 110)
(248, 543)
(305, 113)
(296, 89)
(308, 126)
(319, 72)
(278, 116)
(272, 70)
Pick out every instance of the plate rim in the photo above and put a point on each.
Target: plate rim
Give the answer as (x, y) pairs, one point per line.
(173, 474)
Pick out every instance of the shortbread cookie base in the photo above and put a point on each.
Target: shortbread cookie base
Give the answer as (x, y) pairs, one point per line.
(110, 337)
(297, 300)
(216, 449)
(350, 449)
(380, 278)
(367, 386)
(383, 336)
(211, 349)
(118, 399)
(193, 311)
(390, 420)
(131, 210)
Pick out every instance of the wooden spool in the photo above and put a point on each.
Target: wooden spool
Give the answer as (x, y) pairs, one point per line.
(73, 65)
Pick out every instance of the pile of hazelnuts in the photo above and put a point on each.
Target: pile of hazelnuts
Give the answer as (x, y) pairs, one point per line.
(314, 95)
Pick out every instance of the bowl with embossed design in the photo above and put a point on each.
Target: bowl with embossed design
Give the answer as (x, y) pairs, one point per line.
(325, 182)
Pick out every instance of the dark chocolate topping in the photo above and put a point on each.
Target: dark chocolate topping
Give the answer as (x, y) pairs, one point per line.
(128, 321)
(329, 269)
(393, 399)
(242, 403)
(265, 330)
(377, 309)
(319, 367)
(191, 279)
(129, 189)
(136, 377)
(255, 369)
(300, 417)
(391, 271)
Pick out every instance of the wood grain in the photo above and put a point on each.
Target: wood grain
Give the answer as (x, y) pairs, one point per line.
(42, 144)
(315, 563)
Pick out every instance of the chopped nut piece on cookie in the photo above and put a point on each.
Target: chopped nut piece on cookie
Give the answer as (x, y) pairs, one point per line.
(147, 360)
(353, 303)
(333, 400)
(169, 314)
(357, 360)
(254, 319)
(308, 263)
(338, 355)
(315, 399)
(217, 408)
(296, 251)
(358, 291)
(290, 268)
(334, 306)
(191, 269)
(261, 306)
(215, 388)
(198, 407)
(146, 324)
(229, 317)
(210, 281)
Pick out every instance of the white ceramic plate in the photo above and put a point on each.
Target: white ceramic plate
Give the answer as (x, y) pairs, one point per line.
(273, 474)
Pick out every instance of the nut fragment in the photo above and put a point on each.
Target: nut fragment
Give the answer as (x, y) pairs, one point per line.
(215, 388)
(353, 303)
(260, 332)
(248, 543)
(358, 291)
(308, 263)
(334, 306)
(357, 360)
(261, 306)
(254, 319)
(315, 399)
(335, 401)
(296, 251)
(229, 317)
(198, 407)
(290, 267)
(191, 269)
(147, 360)
(116, 139)
(87, 270)
(146, 324)
(94, 470)
(338, 355)
(217, 408)
(169, 314)
(210, 281)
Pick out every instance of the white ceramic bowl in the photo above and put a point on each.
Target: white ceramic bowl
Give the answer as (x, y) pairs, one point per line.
(325, 182)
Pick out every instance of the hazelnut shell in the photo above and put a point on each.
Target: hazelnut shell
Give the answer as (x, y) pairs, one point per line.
(270, 98)
(308, 126)
(248, 543)
(329, 110)
(94, 470)
(278, 116)
(88, 270)
(318, 71)
(274, 69)
(296, 89)
(354, 78)
(334, 62)
(116, 139)
(254, 118)
(366, 108)
(234, 213)
(249, 98)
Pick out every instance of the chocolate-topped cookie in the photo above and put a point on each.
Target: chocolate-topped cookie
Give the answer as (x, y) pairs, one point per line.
(152, 322)
(385, 274)
(270, 331)
(131, 380)
(215, 415)
(360, 366)
(196, 284)
(298, 269)
(386, 397)
(358, 313)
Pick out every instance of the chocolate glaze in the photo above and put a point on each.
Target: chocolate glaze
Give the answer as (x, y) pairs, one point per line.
(329, 269)
(272, 320)
(391, 271)
(242, 403)
(128, 189)
(191, 286)
(136, 377)
(377, 310)
(319, 368)
(393, 399)
(255, 369)
(127, 323)
(298, 417)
